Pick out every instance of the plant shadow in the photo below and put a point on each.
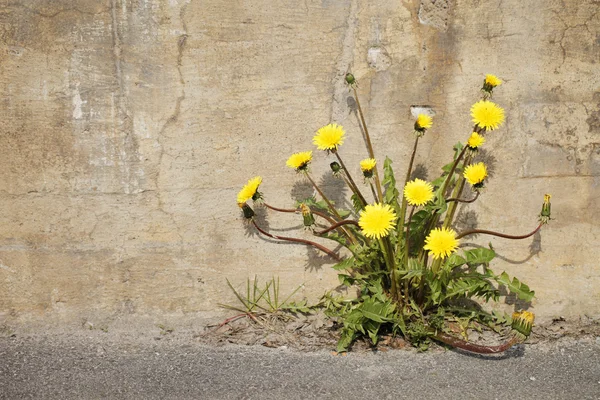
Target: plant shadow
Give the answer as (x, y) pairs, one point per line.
(488, 159)
(516, 351)
(335, 189)
(302, 190)
(317, 259)
(419, 171)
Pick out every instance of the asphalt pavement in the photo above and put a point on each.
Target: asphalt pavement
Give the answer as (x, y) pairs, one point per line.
(109, 367)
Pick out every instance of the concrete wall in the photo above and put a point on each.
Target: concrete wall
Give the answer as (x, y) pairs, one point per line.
(128, 127)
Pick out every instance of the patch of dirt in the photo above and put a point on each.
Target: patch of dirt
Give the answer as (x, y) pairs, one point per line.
(302, 332)
(317, 332)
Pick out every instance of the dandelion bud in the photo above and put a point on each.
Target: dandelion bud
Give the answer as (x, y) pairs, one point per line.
(248, 212)
(546, 210)
(367, 166)
(350, 80)
(522, 322)
(335, 168)
(307, 215)
(489, 83)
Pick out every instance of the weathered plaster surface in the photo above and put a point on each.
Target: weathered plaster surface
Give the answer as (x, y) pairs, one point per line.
(129, 126)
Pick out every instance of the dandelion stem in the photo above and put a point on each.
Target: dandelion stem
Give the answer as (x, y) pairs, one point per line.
(408, 172)
(297, 240)
(457, 191)
(373, 191)
(451, 173)
(386, 248)
(337, 225)
(475, 348)
(463, 200)
(369, 145)
(350, 181)
(502, 235)
(412, 210)
(320, 214)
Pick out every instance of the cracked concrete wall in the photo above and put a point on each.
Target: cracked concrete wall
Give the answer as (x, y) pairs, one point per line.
(129, 126)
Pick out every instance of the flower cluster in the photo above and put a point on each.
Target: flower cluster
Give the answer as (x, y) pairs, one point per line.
(399, 241)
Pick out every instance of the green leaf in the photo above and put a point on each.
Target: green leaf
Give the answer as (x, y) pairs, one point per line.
(439, 181)
(454, 261)
(479, 256)
(344, 264)
(346, 280)
(355, 321)
(457, 149)
(415, 269)
(376, 311)
(337, 238)
(472, 285)
(446, 168)
(356, 203)
(389, 181)
(418, 220)
(346, 338)
(515, 286)
(343, 213)
(372, 330)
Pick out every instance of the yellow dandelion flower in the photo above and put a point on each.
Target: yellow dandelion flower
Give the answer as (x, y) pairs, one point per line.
(475, 173)
(423, 122)
(299, 161)
(418, 192)
(475, 140)
(492, 81)
(376, 220)
(249, 190)
(329, 137)
(487, 115)
(441, 242)
(367, 165)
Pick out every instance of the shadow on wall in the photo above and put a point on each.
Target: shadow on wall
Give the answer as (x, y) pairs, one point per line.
(468, 220)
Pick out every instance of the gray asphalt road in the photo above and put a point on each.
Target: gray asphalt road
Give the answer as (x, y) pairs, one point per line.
(96, 368)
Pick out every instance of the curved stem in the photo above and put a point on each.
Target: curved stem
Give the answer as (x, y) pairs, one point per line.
(285, 210)
(502, 235)
(320, 214)
(369, 145)
(296, 240)
(337, 225)
(475, 348)
(350, 181)
(463, 200)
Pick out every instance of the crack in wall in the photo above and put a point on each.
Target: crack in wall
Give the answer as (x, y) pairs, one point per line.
(181, 45)
(343, 65)
(568, 27)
